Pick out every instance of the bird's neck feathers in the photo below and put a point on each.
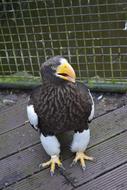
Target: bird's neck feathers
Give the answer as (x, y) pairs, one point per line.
(54, 81)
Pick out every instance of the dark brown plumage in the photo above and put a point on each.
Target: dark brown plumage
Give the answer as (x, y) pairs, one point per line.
(61, 104)
(61, 107)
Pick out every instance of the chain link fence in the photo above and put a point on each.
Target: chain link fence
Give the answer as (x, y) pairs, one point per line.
(91, 34)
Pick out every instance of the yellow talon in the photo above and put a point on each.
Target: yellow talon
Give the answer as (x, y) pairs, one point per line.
(53, 161)
(52, 167)
(82, 157)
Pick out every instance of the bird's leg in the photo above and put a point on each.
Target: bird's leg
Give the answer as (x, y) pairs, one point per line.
(81, 156)
(52, 148)
(53, 162)
(79, 145)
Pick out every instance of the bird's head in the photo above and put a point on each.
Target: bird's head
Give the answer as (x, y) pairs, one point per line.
(58, 69)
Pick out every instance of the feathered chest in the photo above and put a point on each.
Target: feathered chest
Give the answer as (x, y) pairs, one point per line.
(61, 106)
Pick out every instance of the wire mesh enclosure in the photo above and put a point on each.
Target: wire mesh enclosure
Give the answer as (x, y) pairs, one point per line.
(92, 34)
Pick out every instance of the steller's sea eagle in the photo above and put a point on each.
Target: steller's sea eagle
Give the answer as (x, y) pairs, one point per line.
(61, 104)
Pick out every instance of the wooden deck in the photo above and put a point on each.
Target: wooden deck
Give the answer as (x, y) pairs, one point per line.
(21, 153)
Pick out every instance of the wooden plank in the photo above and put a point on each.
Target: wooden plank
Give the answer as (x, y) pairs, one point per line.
(17, 140)
(108, 125)
(20, 165)
(42, 181)
(109, 155)
(13, 117)
(23, 164)
(101, 128)
(114, 180)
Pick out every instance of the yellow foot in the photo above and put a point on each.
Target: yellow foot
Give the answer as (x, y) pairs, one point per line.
(53, 162)
(82, 157)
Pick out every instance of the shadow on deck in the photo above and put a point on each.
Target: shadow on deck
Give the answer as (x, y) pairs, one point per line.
(21, 153)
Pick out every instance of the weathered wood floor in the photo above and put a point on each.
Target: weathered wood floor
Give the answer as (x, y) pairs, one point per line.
(21, 153)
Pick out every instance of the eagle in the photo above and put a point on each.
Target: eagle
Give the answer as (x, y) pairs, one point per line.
(58, 105)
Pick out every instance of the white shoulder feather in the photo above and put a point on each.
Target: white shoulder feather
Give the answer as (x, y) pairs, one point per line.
(91, 116)
(32, 116)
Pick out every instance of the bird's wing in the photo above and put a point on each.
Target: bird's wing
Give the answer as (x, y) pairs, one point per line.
(32, 116)
(32, 102)
(87, 95)
(91, 116)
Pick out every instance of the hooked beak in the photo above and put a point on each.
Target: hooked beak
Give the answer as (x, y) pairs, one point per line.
(65, 71)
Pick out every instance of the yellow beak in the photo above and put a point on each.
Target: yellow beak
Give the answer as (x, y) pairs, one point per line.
(66, 72)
